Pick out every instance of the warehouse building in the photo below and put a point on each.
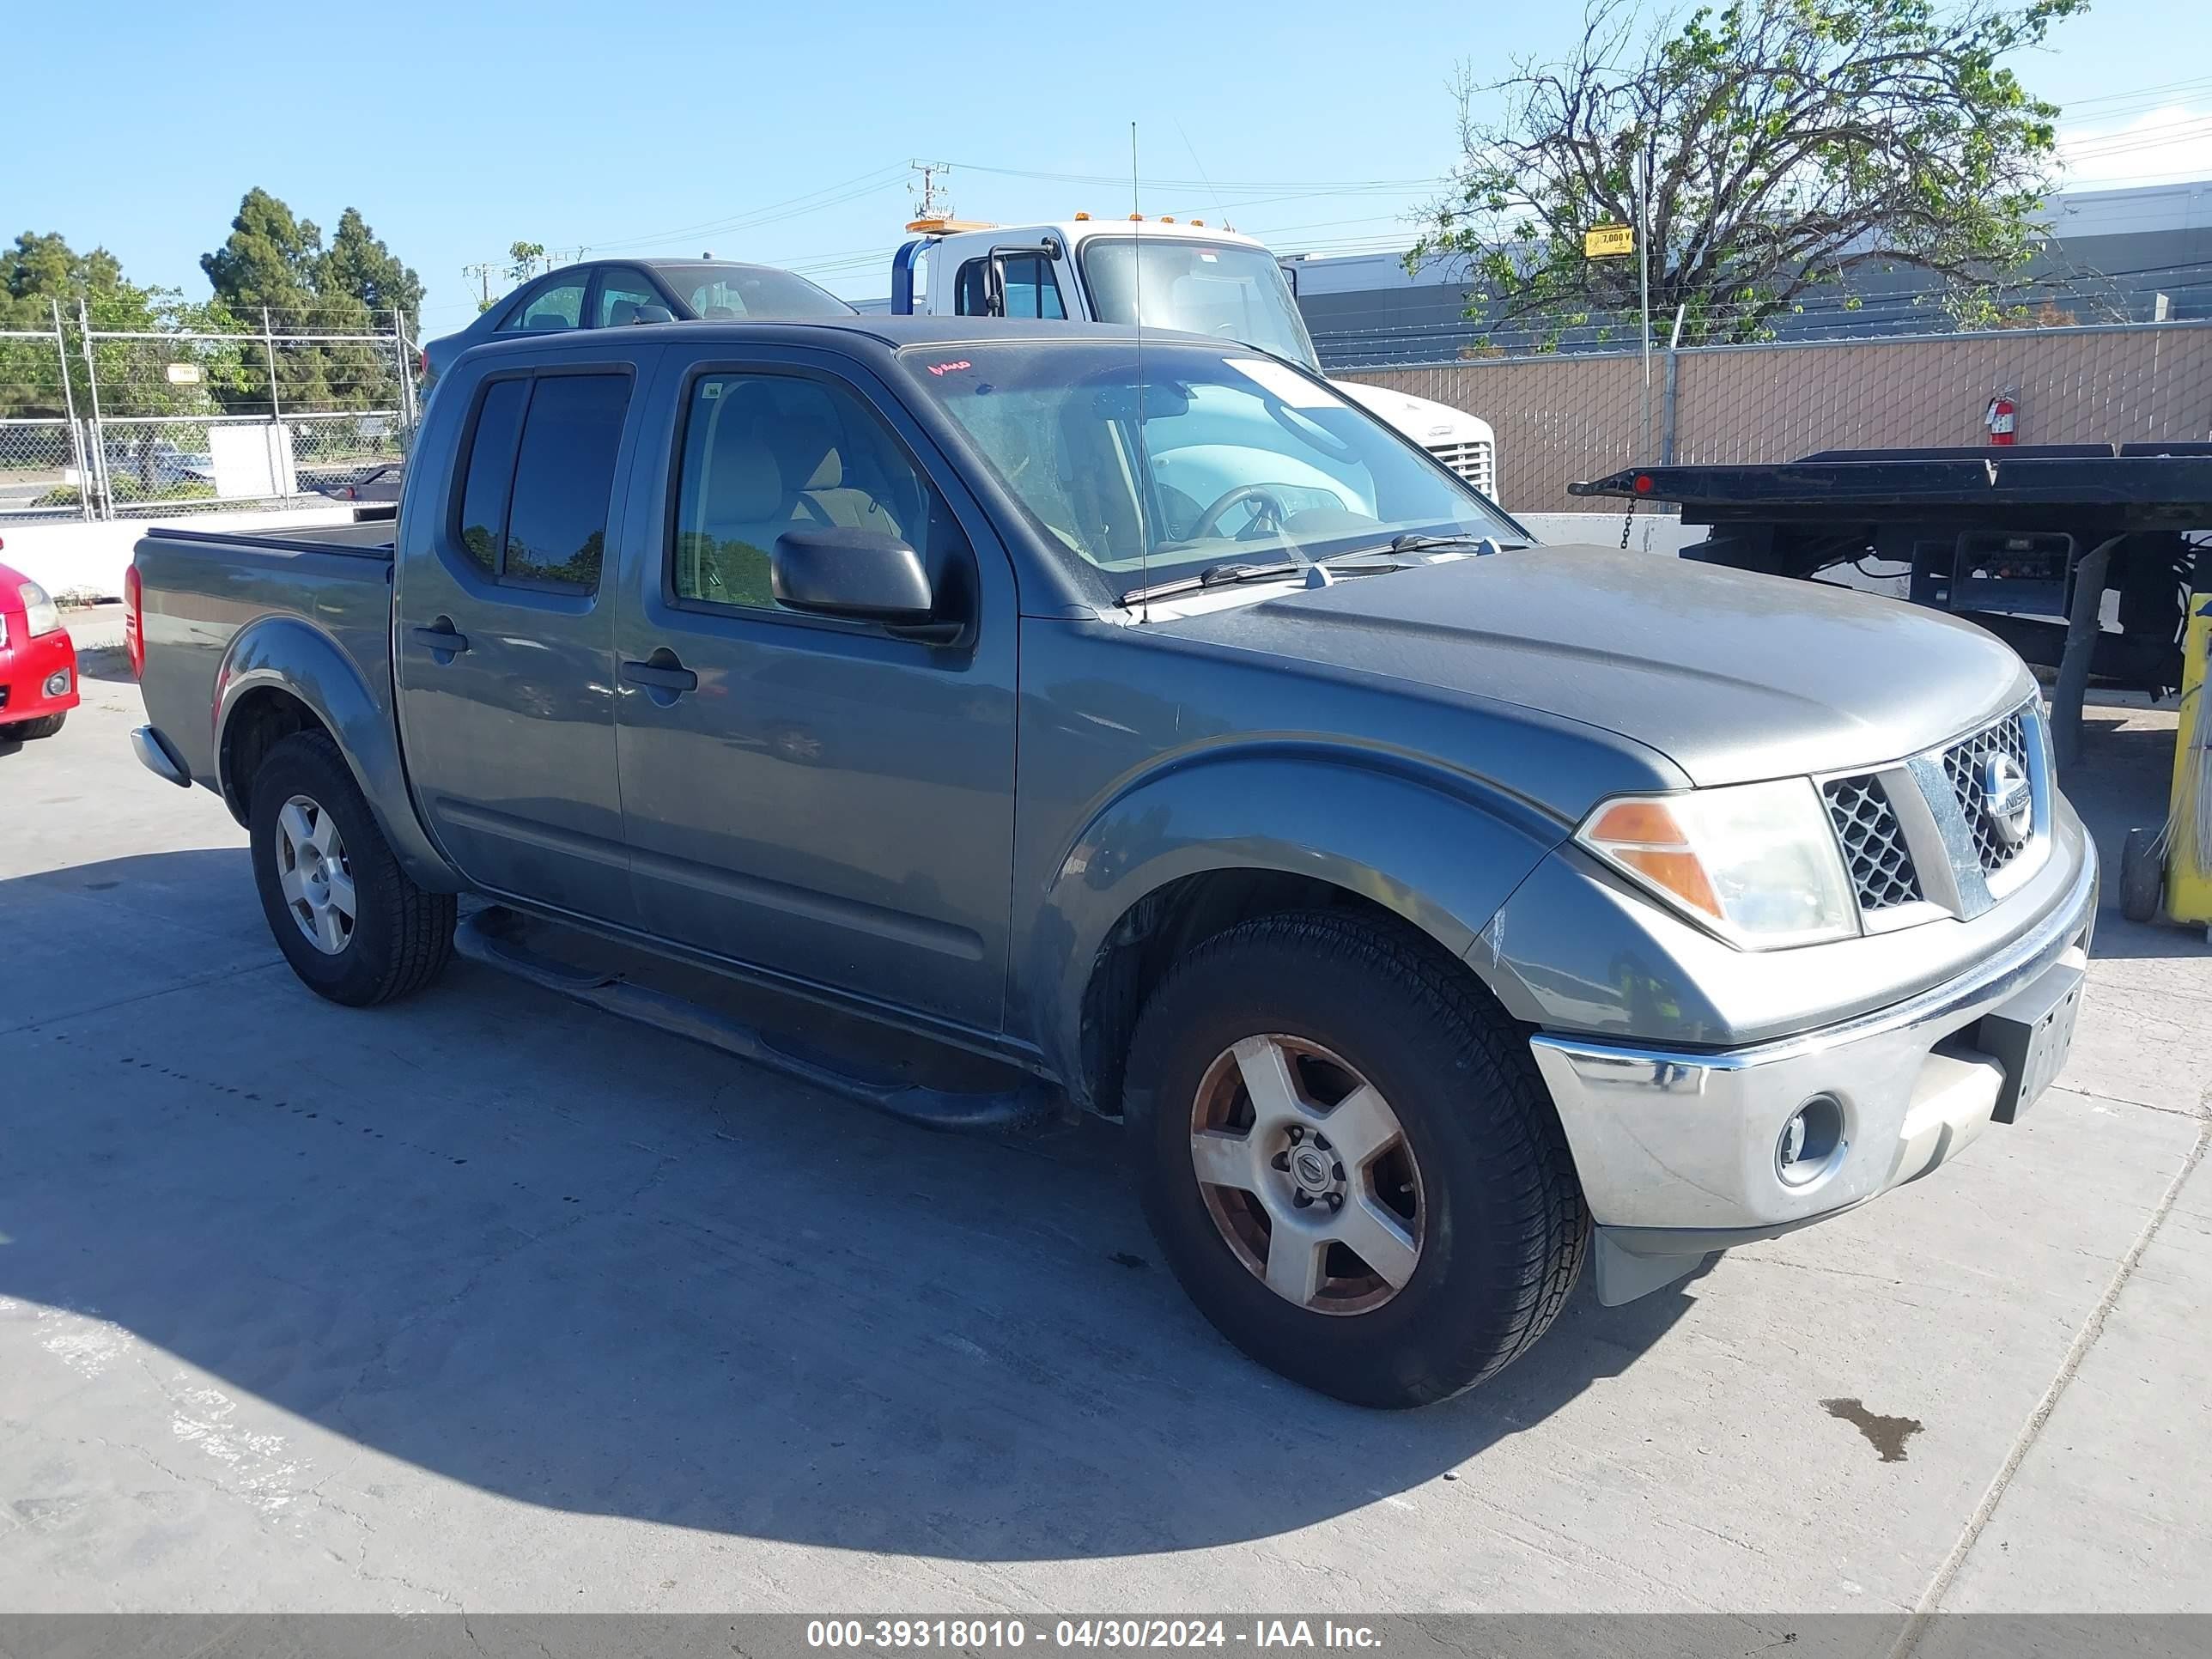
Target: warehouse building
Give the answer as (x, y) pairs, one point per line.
(2111, 256)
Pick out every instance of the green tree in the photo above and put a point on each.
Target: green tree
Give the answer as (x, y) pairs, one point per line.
(37, 272)
(270, 259)
(274, 262)
(40, 271)
(525, 259)
(1774, 148)
(359, 265)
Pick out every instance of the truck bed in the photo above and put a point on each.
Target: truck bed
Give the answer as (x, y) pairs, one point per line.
(2139, 484)
(198, 590)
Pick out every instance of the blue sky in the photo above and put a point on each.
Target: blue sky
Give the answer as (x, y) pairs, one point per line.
(782, 133)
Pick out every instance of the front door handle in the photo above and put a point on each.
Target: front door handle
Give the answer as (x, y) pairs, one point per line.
(671, 676)
(440, 637)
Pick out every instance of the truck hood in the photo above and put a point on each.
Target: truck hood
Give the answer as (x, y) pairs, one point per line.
(1423, 420)
(1733, 676)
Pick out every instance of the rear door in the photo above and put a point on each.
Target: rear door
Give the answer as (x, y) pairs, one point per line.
(823, 799)
(504, 639)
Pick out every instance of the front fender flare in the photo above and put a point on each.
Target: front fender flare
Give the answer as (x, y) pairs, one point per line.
(1440, 849)
(298, 659)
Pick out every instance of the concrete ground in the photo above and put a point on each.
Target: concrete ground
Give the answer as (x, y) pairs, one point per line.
(487, 1302)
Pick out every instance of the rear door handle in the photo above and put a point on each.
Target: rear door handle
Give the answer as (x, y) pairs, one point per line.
(659, 677)
(440, 638)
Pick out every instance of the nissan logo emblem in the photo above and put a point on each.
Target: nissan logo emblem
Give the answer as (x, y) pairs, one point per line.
(2007, 798)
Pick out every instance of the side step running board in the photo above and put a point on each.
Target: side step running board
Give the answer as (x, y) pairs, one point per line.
(489, 937)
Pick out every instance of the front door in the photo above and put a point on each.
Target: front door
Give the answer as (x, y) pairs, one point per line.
(504, 642)
(825, 799)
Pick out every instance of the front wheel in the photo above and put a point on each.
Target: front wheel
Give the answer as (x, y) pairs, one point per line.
(354, 928)
(46, 725)
(1350, 1160)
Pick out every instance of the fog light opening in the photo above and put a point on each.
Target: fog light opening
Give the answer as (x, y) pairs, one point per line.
(1810, 1141)
(58, 683)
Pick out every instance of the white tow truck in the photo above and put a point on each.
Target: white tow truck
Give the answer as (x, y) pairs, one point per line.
(1187, 274)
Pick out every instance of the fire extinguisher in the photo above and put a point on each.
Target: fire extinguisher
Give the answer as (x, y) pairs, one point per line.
(2002, 417)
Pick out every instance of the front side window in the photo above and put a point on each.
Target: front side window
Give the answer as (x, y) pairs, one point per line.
(558, 306)
(1228, 289)
(766, 453)
(536, 497)
(1027, 284)
(622, 292)
(1210, 458)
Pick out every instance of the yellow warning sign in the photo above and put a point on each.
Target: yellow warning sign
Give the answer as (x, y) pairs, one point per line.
(1603, 240)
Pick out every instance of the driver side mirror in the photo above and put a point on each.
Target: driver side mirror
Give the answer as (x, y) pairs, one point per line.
(864, 575)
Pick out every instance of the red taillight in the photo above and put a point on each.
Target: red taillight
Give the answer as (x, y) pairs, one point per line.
(1644, 483)
(421, 363)
(134, 629)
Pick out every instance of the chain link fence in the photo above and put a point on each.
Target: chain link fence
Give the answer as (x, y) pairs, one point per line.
(116, 424)
(41, 441)
(1563, 418)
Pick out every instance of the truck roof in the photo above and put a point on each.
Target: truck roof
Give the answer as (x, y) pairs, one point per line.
(888, 330)
(1076, 230)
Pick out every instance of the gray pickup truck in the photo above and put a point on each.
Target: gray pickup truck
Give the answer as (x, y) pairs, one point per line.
(1433, 910)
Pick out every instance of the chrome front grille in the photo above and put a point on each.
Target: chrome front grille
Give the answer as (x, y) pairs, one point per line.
(1875, 853)
(1474, 462)
(1962, 766)
(1917, 838)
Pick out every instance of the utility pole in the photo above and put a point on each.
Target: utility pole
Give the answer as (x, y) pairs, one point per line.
(482, 272)
(927, 204)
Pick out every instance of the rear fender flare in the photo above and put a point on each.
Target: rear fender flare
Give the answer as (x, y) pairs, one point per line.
(294, 656)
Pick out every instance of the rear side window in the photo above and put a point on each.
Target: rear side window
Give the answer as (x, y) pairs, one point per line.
(491, 470)
(561, 306)
(535, 501)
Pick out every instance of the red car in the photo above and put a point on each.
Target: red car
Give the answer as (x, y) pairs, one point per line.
(38, 662)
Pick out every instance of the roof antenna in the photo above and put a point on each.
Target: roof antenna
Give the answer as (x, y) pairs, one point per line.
(1137, 286)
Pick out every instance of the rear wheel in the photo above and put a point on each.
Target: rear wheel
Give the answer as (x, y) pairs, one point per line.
(1350, 1160)
(347, 918)
(2142, 876)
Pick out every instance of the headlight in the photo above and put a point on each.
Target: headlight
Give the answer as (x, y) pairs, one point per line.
(1756, 863)
(40, 614)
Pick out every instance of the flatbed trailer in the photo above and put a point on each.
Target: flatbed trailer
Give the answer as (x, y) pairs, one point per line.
(2025, 541)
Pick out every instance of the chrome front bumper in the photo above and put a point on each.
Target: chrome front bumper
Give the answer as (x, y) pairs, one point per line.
(1676, 1149)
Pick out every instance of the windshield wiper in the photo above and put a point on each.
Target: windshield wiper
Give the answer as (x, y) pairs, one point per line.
(1214, 575)
(1412, 542)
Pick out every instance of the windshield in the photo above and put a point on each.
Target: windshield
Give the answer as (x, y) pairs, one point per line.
(1237, 459)
(734, 291)
(1227, 288)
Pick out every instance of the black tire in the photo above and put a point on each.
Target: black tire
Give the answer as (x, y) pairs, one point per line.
(45, 726)
(1504, 1228)
(2142, 877)
(401, 938)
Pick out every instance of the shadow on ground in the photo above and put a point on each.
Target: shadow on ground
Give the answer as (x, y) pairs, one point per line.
(108, 663)
(577, 1263)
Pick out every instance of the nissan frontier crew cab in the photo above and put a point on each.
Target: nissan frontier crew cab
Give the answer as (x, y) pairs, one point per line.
(1431, 910)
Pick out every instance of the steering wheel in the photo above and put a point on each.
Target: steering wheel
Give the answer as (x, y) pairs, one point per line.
(1259, 496)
